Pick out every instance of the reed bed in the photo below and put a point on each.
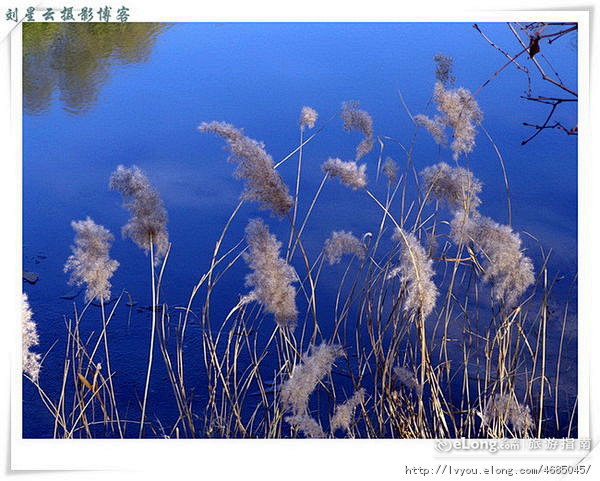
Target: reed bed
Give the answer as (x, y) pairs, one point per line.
(439, 327)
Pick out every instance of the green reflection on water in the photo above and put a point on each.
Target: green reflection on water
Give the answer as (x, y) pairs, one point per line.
(75, 59)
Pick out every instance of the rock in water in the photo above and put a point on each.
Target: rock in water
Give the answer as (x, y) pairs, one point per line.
(30, 277)
(72, 294)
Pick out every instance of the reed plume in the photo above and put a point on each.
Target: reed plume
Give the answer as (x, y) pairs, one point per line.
(272, 276)
(407, 378)
(505, 409)
(357, 119)
(460, 112)
(90, 263)
(444, 68)
(147, 227)
(341, 243)
(506, 267)
(344, 413)
(306, 375)
(390, 170)
(455, 187)
(349, 173)
(148, 222)
(307, 425)
(436, 127)
(308, 117)
(416, 271)
(31, 360)
(263, 184)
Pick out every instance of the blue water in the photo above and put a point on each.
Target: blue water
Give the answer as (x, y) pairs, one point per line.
(258, 76)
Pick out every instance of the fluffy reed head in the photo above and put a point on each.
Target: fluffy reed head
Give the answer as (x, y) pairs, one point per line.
(341, 243)
(148, 222)
(349, 173)
(271, 276)
(459, 111)
(90, 264)
(436, 127)
(505, 409)
(308, 117)
(307, 425)
(390, 170)
(263, 184)
(357, 119)
(506, 267)
(31, 360)
(344, 413)
(306, 375)
(407, 378)
(456, 187)
(443, 69)
(416, 270)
